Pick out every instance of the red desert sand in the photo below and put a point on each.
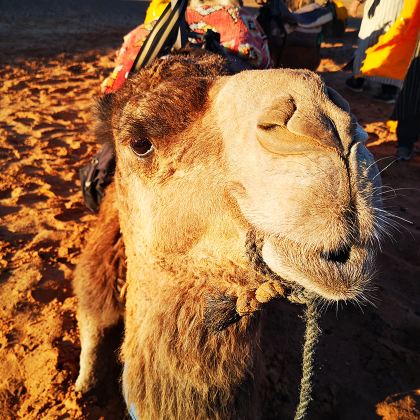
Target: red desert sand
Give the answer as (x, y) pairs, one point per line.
(368, 360)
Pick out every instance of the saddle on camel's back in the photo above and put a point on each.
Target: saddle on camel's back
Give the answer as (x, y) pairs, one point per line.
(275, 37)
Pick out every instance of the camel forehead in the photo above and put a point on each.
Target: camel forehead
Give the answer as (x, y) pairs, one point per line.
(262, 87)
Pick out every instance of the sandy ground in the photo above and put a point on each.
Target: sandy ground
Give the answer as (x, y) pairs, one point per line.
(53, 56)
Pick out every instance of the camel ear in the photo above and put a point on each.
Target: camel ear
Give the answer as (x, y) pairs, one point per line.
(103, 131)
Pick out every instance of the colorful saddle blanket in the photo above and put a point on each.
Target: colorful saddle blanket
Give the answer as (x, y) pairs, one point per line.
(239, 31)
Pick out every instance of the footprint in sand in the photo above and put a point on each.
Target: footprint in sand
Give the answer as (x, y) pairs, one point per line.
(19, 86)
(57, 142)
(68, 115)
(31, 199)
(5, 210)
(53, 284)
(51, 82)
(25, 120)
(76, 69)
(71, 214)
(45, 125)
(59, 186)
(61, 91)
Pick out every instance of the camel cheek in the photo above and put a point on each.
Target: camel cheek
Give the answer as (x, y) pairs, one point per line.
(295, 196)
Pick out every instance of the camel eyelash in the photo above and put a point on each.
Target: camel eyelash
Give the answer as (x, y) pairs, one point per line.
(269, 127)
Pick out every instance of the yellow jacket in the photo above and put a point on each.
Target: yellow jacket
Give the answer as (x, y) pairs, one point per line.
(391, 56)
(155, 9)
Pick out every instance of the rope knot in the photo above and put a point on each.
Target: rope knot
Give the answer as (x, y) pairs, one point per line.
(247, 303)
(250, 301)
(269, 290)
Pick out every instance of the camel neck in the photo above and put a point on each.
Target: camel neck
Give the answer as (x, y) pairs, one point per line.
(198, 372)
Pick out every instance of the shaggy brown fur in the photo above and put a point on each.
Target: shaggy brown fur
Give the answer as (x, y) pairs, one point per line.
(105, 243)
(223, 148)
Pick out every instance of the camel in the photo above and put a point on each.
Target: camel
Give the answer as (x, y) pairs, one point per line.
(203, 158)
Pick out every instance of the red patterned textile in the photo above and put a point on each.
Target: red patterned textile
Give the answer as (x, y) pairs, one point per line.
(126, 56)
(239, 31)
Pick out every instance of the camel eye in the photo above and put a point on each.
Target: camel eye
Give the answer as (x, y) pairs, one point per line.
(142, 147)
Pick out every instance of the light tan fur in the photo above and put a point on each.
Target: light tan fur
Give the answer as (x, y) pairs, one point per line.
(274, 151)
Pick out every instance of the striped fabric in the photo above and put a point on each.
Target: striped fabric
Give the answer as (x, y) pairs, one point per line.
(408, 102)
(144, 43)
(378, 16)
(165, 28)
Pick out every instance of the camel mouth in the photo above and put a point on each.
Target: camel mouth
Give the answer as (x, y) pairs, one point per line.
(337, 274)
(340, 255)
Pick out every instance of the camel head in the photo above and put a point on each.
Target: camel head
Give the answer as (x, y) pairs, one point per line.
(203, 157)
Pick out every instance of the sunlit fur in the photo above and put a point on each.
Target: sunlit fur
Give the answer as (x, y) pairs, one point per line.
(275, 151)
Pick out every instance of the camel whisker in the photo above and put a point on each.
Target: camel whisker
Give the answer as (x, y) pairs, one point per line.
(379, 160)
(386, 167)
(389, 214)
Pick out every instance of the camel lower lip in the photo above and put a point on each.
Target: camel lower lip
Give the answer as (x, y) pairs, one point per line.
(338, 275)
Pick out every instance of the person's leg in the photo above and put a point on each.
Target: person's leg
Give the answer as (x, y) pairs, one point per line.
(391, 89)
(388, 93)
(355, 83)
(408, 132)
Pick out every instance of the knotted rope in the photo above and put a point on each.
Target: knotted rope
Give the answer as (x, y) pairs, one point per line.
(273, 287)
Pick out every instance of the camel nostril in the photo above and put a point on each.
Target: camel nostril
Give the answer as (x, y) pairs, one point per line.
(340, 255)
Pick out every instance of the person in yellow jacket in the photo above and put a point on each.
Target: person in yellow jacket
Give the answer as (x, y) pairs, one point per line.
(397, 55)
(378, 16)
(391, 55)
(407, 109)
